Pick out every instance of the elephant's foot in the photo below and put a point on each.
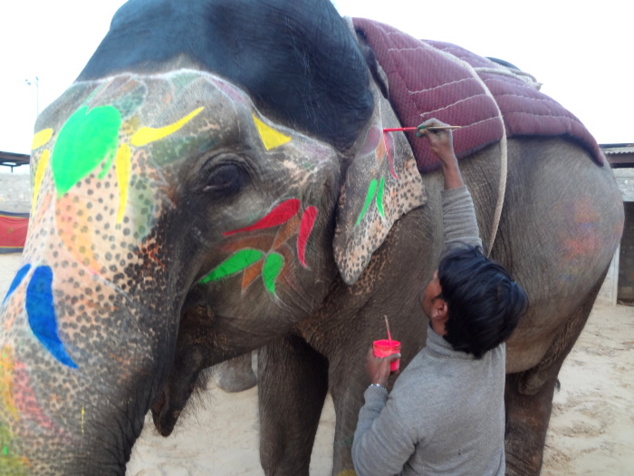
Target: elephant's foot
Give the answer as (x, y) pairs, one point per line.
(164, 419)
(529, 396)
(236, 374)
(291, 393)
(527, 418)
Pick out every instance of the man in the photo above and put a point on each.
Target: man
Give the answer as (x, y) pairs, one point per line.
(445, 414)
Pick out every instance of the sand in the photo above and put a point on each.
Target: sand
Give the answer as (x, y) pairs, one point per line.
(591, 430)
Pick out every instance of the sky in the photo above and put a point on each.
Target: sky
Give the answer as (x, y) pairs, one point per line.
(580, 51)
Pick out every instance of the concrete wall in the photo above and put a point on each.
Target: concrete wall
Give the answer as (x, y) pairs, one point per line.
(625, 180)
(15, 192)
(610, 290)
(619, 283)
(626, 257)
(15, 196)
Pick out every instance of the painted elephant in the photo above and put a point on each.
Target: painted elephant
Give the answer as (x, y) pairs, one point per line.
(222, 177)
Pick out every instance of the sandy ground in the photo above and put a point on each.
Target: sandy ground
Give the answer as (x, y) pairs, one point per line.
(591, 429)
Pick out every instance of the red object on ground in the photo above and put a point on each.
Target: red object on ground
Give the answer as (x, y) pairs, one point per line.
(13, 228)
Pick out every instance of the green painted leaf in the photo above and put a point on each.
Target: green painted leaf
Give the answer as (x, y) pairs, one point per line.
(379, 197)
(86, 139)
(270, 271)
(368, 199)
(237, 262)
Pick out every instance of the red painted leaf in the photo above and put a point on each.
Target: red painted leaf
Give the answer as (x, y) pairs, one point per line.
(305, 229)
(280, 214)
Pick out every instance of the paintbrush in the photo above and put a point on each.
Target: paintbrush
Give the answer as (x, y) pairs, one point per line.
(420, 129)
(387, 326)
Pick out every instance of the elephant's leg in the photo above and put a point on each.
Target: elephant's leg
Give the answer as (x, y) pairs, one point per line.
(292, 387)
(529, 397)
(236, 374)
(527, 419)
(347, 407)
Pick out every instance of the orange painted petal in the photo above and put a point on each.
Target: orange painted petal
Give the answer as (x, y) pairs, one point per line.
(75, 231)
(286, 231)
(7, 365)
(259, 242)
(251, 273)
(380, 151)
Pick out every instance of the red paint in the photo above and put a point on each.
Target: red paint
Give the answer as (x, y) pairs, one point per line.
(26, 402)
(280, 214)
(387, 141)
(372, 140)
(386, 347)
(305, 229)
(399, 129)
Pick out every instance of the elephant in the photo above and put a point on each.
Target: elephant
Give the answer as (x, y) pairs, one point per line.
(229, 176)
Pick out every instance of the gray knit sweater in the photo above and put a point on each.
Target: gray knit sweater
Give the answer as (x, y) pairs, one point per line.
(445, 414)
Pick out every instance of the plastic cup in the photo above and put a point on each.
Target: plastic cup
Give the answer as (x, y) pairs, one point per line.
(385, 347)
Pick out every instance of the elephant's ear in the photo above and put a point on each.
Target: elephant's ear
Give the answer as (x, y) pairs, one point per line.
(382, 184)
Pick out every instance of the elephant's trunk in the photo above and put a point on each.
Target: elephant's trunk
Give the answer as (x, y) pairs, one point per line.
(78, 373)
(80, 359)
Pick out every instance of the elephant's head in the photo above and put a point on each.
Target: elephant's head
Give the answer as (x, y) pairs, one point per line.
(161, 187)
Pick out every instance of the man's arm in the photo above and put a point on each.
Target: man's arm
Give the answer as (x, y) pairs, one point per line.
(441, 143)
(459, 219)
(382, 444)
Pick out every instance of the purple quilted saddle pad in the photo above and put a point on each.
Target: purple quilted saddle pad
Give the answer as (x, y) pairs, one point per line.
(435, 79)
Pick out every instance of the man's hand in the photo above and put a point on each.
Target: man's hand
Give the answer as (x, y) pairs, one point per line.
(377, 368)
(441, 142)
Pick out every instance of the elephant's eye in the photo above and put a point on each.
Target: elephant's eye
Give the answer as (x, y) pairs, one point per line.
(226, 178)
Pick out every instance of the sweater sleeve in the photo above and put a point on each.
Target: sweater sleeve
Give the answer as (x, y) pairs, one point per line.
(459, 219)
(382, 445)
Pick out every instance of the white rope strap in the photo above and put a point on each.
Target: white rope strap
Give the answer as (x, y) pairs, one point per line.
(503, 151)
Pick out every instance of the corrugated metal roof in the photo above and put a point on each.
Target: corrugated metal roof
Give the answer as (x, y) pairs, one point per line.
(617, 148)
(11, 159)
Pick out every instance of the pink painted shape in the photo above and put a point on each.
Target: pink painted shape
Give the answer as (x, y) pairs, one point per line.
(305, 229)
(387, 141)
(372, 139)
(280, 214)
(27, 401)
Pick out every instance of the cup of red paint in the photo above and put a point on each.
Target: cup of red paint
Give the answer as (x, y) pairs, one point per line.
(384, 347)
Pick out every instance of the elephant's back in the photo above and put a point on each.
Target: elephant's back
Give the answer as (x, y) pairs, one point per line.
(488, 100)
(560, 225)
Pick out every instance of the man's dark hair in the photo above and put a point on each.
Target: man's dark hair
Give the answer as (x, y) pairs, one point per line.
(484, 303)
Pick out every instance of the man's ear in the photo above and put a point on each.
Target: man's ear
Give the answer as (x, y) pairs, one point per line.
(439, 310)
(439, 316)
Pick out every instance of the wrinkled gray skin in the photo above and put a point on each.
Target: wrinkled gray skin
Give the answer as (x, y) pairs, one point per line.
(236, 375)
(135, 318)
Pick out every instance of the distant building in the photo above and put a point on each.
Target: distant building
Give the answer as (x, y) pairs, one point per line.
(15, 199)
(12, 160)
(619, 284)
(619, 155)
